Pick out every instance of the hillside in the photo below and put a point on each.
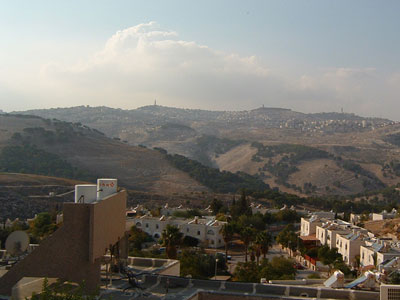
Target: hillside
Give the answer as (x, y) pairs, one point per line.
(24, 195)
(92, 153)
(347, 154)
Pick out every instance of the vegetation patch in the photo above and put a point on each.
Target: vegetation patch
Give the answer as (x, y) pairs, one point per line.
(289, 156)
(393, 139)
(216, 180)
(30, 159)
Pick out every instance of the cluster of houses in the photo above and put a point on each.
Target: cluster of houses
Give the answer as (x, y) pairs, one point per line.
(358, 247)
(205, 229)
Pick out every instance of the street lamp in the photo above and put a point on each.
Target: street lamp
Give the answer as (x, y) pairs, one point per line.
(216, 264)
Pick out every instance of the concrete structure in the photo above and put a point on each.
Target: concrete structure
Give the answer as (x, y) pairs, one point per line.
(27, 286)
(376, 253)
(328, 231)
(308, 226)
(384, 215)
(166, 210)
(390, 292)
(186, 288)
(206, 230)
(336, 280)
(75, 251)
(85, 193)
(349, 246)
(160, 266)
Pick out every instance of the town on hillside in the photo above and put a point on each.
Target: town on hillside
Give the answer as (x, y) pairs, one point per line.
(179, 251)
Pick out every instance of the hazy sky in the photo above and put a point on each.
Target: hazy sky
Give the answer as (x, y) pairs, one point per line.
(306, 55)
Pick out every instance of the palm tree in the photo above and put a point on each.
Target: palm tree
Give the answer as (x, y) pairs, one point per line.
(227, 232)
(171, 237)
(263, 242)
(246, 236)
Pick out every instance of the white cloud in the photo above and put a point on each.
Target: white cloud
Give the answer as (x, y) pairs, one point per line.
(144, 62)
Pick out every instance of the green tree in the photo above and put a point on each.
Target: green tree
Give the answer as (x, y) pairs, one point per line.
(216, 206)
(263, 242)
(43, 225)
(137, 238)
(247, 272)
(278, 268)
(227, 231)
(247, 236)
(287, 238)
(394, 278)
(199, 264)
(329, 256)
(171, 237)
(60, 292)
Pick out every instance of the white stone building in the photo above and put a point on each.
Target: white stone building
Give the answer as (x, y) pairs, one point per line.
(384, 215)
(308, 226)
(349, 246)
(376, 253)
(206, 230)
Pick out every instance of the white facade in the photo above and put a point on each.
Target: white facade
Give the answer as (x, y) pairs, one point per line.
(309, 226)
(376, 253)
(349, 246)
(207, 231)
(332, 234)
(384, 215)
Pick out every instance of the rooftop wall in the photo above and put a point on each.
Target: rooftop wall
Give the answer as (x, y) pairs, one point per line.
(107, 224)
(71, 252)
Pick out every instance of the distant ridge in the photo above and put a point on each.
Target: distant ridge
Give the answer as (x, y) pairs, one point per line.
(361, 152)
(188, 110)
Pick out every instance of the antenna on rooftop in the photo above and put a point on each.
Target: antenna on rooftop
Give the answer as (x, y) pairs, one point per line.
(17, 243)
(155, 102)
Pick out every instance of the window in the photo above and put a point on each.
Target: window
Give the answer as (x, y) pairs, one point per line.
(198, 232)
(187, 229)
(210, 232)
(156, 226)
(138, 224)
(147, 225)
(212, 242)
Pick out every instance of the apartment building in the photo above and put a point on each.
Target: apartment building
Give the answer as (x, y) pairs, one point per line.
(384, 215)
(349, 246)
(375, 253)
(206, 230)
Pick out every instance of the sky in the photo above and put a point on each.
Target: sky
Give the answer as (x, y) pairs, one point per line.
(309, 56)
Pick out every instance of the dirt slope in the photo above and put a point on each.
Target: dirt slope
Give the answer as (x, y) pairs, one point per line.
(135, 167)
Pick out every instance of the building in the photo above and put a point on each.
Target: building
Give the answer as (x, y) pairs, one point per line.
(74, 252)
(384, 215)
(376, 253)
(349, 246)
(328, 231)
(206, 230)
(308, 226)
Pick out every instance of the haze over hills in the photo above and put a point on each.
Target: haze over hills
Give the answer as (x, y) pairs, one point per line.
(323, 153)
